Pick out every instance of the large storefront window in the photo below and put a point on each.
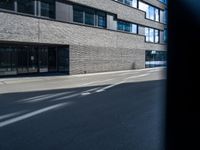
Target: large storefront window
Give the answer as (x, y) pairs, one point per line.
(23, 59)
(7, 60)
(7, 4)
(155, 58)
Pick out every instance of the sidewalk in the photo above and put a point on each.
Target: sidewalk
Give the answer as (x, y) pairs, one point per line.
(15, 80)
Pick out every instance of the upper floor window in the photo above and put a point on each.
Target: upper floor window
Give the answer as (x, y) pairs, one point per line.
(101, 19)
(151, 35)
(132, 3)
(26, 6)
(164, 16)
(89, 16)
(151, 12)
(7, 4)
(48, 8)
(126, 26)
(163, 1)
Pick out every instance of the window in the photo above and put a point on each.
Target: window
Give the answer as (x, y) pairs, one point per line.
(155, 58)
(48, 8)
(7, 59)
(26, 6)
(7, 4)
(132, 3)
(151, 12)
(156, 36)
(152, 35)
(163, 1)
(163, 16)
(157, 14)
(89, 16)
(127, 27)
(78, 14)
(101, 19)
(165, 36)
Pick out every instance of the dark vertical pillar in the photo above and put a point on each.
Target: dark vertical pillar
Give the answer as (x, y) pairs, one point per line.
(183, 111)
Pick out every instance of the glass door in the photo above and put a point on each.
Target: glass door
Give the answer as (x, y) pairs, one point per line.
(43, 59)
(33, 60)
(52, 59)
(22, 60)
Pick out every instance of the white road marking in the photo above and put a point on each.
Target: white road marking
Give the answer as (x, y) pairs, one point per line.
(67, 97)
(88, 92)
(35, 97)
(110, 86)
(94, 82)
(10, 115)
(142, 75)
(46, 97)
(31, 114)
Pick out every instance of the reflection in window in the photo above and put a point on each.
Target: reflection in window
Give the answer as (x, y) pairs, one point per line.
(132, 3)
(151, 12)
(89, 16)
(126, 26)
(7, 4)
(151, 35)
(155, 59)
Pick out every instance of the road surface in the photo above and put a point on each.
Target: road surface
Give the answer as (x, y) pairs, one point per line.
(107, 111)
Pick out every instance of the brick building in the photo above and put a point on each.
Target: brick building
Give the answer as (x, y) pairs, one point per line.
(81, 36)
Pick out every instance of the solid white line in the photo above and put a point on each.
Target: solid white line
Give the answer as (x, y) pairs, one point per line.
(10, 115)
(28, 115)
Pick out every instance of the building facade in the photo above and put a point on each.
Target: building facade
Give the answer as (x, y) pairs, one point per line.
(81, 36)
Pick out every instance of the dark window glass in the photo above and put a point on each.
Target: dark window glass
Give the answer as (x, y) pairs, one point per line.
(165, 35)
(89, 17)
(78, 14)
(127, 27)
(101, 19)
(26, 6)
(7, 4)
(48, 8)
(155, 58)
(120, 25)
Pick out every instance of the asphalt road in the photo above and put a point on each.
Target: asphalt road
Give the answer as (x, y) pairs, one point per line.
(116, 111)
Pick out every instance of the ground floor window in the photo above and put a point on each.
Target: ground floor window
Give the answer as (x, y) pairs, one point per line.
(155, 58)
(22, 59)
